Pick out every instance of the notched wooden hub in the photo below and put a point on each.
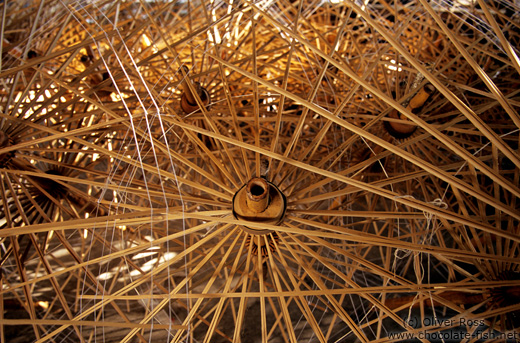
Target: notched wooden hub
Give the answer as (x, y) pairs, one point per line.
(189, 106)
(188, 99)
(259, 201)
(402, 130)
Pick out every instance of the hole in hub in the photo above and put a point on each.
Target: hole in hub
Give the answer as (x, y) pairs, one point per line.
(257, 190)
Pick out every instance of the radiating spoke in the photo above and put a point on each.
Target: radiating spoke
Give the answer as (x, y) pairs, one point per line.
(271, 170)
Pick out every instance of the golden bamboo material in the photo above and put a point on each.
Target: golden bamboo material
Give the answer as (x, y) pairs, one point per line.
(259, 171)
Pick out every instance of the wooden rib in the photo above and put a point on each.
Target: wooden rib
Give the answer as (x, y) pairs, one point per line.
(65, 243)
(307, 312)
(2, 30)
(121, 253)
(462, 107)
(135, 283)
(94, 323)
(27, 292)
(465, 240)
(354, 235)
(278, 321)
(384, 309)
(278, 286)
(181, 284)
(227, 288)
(347, 98)
(235, 122)
(463, 286)
(390, 195)
(422, 164)
(107, 152)
(246, 284)
(359, 214)
(2, 329)
(61, 180)
(7, 210)
(455, 101)
(338, 308)
(484, 77)
(55, 285)
(262, 288)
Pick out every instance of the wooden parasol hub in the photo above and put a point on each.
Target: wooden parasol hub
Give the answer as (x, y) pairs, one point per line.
(259, 201)
(402, 130)
(192, 91)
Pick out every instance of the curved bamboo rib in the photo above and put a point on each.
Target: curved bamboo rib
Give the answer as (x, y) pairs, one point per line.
(389, 129)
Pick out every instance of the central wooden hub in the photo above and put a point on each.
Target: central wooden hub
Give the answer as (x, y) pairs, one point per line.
(401, 130)
(259, 201)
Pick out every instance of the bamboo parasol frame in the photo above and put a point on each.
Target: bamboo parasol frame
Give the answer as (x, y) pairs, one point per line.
(390, 128)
